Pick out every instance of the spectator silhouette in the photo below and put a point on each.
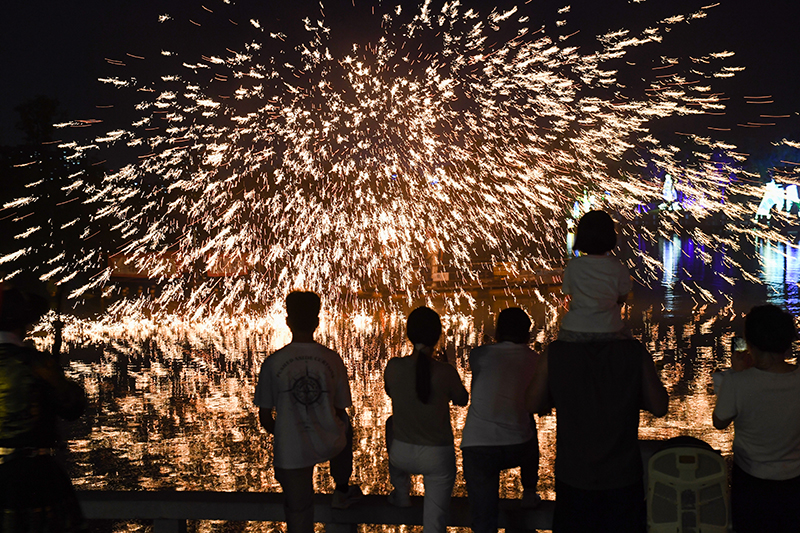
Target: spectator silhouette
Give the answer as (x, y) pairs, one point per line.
(763, 402)
(597, 282)
(302, 394)
(598, 389)
(419, 434)
(35, 492)
(499, 432)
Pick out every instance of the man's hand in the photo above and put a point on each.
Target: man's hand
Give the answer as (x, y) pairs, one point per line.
(741, 360)
(267, 419)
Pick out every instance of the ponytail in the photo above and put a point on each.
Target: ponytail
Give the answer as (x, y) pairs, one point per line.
(423, 373)
(424, 327)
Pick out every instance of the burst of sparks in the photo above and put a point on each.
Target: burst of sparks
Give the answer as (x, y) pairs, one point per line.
(332, 172)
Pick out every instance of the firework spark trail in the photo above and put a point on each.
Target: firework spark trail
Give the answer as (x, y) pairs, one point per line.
(330, 172)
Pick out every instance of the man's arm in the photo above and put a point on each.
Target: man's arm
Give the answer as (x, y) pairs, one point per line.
(459, 394)
(654, 396)
(537, 397)
(725, 406)
(267, 419)
(719, 423)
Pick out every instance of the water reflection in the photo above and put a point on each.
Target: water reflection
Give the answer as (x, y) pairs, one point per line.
(670, 258)
(171, 401)
(780, 272)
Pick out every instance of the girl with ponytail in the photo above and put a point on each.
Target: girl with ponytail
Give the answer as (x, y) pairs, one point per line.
(419, 435)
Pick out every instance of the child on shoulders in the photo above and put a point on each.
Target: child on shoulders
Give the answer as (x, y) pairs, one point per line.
(597, 282)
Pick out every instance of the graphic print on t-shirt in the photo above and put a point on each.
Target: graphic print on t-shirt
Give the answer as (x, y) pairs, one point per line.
(306, 388)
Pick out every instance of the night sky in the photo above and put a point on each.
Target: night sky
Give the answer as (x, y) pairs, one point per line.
(59, 49)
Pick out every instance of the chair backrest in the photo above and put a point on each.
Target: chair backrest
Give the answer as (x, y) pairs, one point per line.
(688, 491)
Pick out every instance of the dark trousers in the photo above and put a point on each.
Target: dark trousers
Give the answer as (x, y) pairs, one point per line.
(764, 505)
(482, 467)
(614, 511)
(36, 494)
(298, 487)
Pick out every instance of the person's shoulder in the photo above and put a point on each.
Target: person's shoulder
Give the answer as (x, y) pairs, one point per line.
(26, 354)
(280, 353)
(744, 379)
(442, 366)
(303, 348)
(327, 354)
(482, 351)
(394, 363)
(292, 350)
(632, 345)
(513, 349)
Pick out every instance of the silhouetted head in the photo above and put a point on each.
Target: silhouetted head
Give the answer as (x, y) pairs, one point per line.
(19, 309)
(595, 234)
(513, 325)
(770, 329)
(302, 310)
(424, 326)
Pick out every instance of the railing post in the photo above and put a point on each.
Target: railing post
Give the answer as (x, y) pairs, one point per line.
(168, 525)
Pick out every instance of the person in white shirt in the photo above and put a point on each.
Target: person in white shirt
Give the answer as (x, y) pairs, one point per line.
(597, 283)
(302, 394)
(763, 402)
(499, 432)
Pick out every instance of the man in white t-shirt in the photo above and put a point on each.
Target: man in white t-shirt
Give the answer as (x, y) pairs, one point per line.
(302, 394)
(499, 432)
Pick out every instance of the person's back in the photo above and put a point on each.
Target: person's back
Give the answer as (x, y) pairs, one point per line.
(35, 491)
(763, 403)
(499, 432)
(419, 437)
(28, 405)
(596, 282)
(302, 393)
(501, 374)
(598, 389)
(417, 422)
(306, 383)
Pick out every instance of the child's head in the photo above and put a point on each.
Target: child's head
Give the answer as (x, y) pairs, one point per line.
(424, 326)
(595, 234)
(513, 325)
(769, 329)
(302, 310)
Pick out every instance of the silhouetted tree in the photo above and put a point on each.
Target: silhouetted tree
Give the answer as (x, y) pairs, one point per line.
(49, 229)
(37, 117)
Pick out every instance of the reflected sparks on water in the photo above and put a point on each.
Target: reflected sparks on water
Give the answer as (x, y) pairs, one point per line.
(172, 399)
(168, 414)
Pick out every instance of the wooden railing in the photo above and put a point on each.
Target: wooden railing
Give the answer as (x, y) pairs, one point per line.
(169, 510)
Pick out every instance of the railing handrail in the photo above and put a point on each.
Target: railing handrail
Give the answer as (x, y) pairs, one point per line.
(171, 509)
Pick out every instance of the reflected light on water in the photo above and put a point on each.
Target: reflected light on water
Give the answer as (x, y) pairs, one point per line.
(780, 272)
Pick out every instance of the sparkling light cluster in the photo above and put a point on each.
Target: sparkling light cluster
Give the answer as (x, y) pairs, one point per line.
(334, 172)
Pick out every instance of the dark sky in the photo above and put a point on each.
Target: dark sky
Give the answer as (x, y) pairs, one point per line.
(60, 48)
